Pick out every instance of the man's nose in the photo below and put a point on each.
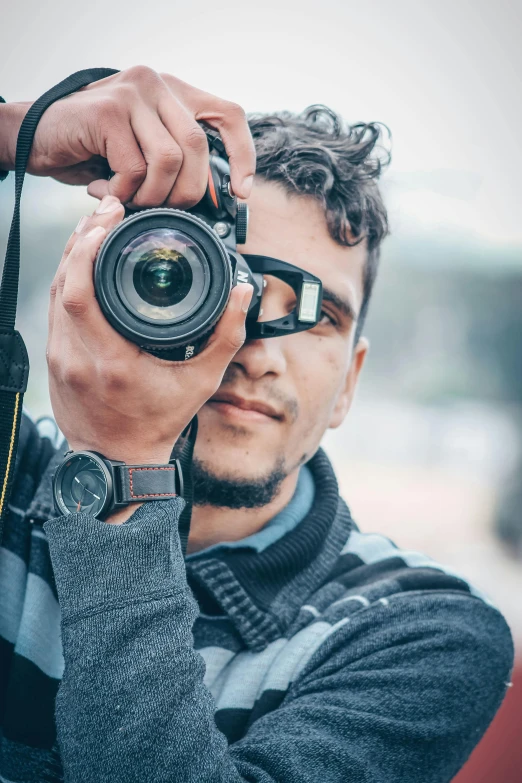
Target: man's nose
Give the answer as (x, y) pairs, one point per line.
(261, 357)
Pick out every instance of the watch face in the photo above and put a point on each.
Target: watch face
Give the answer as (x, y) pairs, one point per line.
(81, 485)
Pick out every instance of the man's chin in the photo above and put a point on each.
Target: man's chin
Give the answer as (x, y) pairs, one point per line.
(222, 488)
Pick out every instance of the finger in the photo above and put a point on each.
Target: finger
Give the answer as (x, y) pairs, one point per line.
(99, 188)
(76, 287)
(78, 297)
(67, 300)
(74, 236)
(191, 182)
(163, 157)
(83, 221)
(125, 159)
(108, 213)
(229, 334)
(77, 300)
(231, 122)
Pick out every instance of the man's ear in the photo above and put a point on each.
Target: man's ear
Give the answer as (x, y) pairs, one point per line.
(344, 400)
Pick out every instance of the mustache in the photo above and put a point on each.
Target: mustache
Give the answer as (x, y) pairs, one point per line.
(235, 380)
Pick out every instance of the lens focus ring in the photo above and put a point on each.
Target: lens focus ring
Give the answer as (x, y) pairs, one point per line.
(163, 278)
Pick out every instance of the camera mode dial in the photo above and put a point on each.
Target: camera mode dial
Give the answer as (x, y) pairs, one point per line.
(241, 223)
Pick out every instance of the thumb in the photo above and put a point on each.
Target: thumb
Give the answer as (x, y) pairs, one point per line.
(229, 334)
(99, 188)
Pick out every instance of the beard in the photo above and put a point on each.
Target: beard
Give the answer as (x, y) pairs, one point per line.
(230, 490)
(234, 492)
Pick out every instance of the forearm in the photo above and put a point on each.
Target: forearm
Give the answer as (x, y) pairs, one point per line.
(132, 704)
(11, 116)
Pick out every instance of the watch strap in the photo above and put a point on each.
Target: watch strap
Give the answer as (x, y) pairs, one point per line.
(138, 483)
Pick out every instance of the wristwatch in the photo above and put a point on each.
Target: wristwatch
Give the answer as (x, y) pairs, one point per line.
(88, 481)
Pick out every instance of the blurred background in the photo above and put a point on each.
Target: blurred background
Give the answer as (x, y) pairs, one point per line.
(431, 453)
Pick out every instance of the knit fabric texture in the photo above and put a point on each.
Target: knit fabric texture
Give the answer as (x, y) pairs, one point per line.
(282, 523)
(330, 655)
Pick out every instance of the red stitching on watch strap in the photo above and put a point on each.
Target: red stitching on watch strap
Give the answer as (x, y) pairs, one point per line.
(153, 495)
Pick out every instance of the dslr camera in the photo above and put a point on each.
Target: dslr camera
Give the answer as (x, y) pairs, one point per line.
(163, 276)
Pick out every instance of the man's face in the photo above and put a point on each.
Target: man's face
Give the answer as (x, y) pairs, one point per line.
(279, 395)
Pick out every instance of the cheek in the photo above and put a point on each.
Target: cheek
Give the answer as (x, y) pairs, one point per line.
(322, 367)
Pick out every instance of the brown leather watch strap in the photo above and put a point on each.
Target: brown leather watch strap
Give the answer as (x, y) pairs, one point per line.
(138, 483)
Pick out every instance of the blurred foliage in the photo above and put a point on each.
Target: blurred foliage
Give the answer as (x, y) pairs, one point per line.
(439, 334)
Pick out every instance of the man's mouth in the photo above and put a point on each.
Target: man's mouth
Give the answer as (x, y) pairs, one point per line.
(239, 408)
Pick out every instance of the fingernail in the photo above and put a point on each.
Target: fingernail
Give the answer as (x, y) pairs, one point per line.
(107, 204)
(247, 185)
(96, 230)
(247, 297)
(81, 224)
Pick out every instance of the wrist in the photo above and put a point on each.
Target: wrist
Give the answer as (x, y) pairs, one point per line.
(111, 491)
(11, 116)
(121, 515)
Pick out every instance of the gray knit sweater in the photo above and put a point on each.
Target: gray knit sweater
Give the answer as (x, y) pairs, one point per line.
(330, 656)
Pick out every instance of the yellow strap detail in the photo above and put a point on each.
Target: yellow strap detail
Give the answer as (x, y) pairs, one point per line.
(11, 449)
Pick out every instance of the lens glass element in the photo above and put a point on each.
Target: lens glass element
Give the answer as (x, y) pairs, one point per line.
(83, 486)
(162, 275)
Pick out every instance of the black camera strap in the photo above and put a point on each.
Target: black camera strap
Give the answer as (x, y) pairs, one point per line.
(14, 361)
(185, 459)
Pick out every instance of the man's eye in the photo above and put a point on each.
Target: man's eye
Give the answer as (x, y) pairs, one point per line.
(327, 319)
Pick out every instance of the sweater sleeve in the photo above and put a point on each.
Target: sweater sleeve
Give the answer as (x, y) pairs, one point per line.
(402, 693)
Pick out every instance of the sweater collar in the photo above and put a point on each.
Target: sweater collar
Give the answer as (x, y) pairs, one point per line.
(261, 593)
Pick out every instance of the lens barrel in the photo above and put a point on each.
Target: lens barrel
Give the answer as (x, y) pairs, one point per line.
(162, 279)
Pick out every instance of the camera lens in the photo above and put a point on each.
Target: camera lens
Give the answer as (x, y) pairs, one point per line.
(162, 279)
(162, 275)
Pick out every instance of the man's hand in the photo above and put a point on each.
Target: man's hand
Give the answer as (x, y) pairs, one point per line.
(143, 126)
(107, 394)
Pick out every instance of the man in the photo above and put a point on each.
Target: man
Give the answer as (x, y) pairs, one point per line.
(289, 646)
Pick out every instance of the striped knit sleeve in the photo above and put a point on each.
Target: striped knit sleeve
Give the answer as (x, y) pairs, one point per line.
(399, 694)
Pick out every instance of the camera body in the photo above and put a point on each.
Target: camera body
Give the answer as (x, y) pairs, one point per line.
(163, 276)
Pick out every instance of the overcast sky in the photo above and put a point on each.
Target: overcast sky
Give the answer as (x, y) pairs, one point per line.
(444, 75)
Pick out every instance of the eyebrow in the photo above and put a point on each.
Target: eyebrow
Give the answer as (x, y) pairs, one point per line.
(343, 305)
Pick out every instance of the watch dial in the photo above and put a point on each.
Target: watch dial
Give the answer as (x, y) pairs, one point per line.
(83, 485)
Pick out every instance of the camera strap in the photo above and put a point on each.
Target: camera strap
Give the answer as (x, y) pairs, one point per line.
(14, 361)
(185, 460)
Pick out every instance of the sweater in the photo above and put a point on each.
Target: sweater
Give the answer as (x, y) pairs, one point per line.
(282, 523)
(331, 655)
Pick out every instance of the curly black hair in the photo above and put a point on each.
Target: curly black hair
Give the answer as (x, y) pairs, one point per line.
(315, 153)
